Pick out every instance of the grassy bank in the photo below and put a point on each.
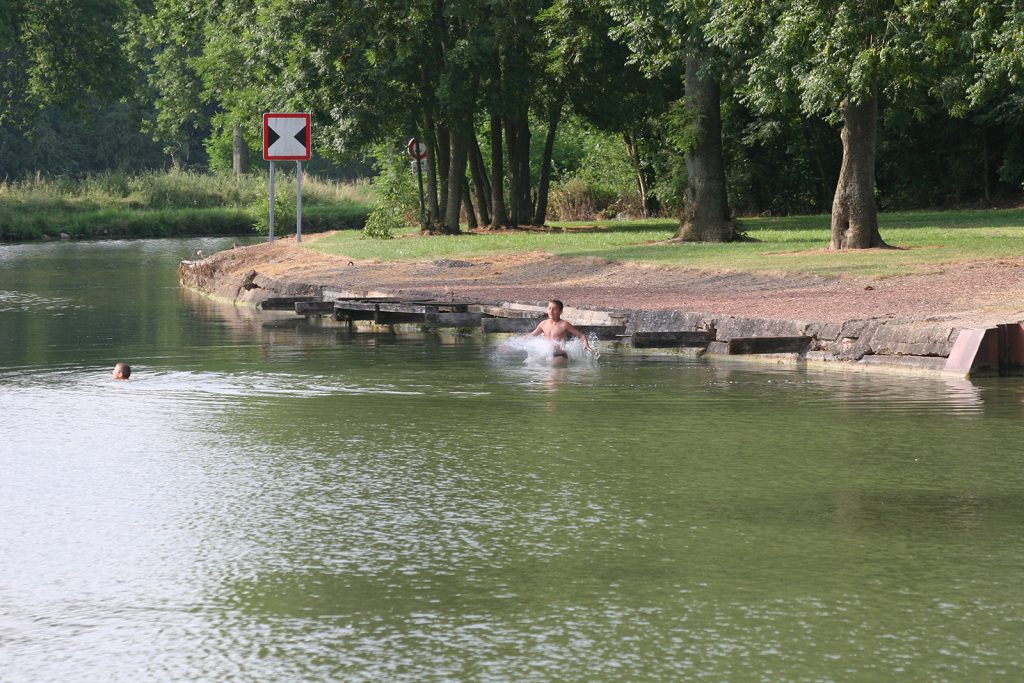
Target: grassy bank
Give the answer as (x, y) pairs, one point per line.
(923, 240)
(163, 204)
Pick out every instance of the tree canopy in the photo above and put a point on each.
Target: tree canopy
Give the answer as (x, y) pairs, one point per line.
(716, 105)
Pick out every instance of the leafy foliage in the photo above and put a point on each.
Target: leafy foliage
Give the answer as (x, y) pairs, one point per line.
(396, 195)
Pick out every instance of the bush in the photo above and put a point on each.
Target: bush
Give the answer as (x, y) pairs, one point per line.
(397, 200)
(284, 209)
(603, 184)
(575, 200)
(114, 204)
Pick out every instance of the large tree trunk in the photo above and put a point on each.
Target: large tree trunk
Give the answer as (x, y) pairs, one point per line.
(239, 151)
(499, 215)
(525, 206)
(444, 146)
(480, 185)
(854, 213)
(433, 206)
(467, 206)
(706, 210)
(545, 169)
(642, 184)
(513, 172)
(517, 137)
(456, 178)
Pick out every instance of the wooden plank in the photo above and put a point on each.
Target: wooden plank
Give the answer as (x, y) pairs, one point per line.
(396, 317)
(361, 305)
(506, 312)
(350, 315)
(1011, 341)
(745, 345)
(284, 303)
(672, 339)
(314, 307)
(418, 308)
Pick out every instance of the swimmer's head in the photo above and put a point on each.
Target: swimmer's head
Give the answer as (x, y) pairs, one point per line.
(555, 309)
(122, 371)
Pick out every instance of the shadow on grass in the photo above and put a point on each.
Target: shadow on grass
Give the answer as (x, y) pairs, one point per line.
(953, 219)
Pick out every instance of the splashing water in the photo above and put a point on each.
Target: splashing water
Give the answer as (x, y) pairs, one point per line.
(541, 351)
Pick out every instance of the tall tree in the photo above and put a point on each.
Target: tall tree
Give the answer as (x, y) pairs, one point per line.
(662, 33)
(840, 60)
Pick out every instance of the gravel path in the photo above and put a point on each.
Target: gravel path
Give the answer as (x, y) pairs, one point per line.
(975, 292)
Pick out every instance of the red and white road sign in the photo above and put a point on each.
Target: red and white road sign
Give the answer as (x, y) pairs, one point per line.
(286, 137)
(417, 149)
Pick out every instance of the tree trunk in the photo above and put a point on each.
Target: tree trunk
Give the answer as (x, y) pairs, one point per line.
(985, 172)
(480, 185)
(706, 210)
(545, 168)
(444, 142)
(525, 207)
(456, 178)
(641, 177)
(854, 213)
(433, 207)
(239, 151)
(467, 206)
(513, 172)
(499, 216)
(517, 137)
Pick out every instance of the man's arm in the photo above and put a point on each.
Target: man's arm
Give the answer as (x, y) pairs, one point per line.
(537, 330)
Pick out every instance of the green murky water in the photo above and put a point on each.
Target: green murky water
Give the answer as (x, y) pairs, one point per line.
(271, 501)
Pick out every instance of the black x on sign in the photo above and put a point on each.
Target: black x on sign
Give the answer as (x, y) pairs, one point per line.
(286, 137)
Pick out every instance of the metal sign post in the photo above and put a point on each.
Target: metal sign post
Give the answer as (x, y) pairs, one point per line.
(298, 201)
(418, 151)
(287, 137)
(271, 202)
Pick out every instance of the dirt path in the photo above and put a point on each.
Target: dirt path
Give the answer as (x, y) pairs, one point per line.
(977, 292)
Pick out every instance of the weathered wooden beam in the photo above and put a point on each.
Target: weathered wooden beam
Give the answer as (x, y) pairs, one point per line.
(404, 307)
(314, 307)
(506, 312)
(284, 303)
(360, 305)
(673, 339)
(745, 345)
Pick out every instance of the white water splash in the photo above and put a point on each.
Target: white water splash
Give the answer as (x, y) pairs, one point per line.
(541, 351)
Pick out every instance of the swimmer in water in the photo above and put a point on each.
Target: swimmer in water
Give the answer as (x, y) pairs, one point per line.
(122, 371)
(557, 331)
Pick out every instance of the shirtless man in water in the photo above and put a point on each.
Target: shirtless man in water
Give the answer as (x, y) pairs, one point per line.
(558, 331)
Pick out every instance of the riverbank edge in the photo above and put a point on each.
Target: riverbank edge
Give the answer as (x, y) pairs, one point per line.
(929, 346)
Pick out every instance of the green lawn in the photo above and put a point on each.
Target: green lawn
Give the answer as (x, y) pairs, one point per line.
(791, 244)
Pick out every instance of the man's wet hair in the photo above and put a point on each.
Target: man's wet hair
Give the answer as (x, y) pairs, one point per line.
(558, 303)
(124, 369)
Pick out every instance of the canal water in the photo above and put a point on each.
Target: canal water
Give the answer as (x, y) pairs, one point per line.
(269, 500)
